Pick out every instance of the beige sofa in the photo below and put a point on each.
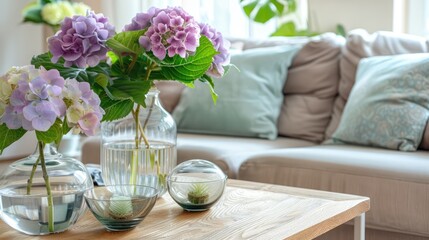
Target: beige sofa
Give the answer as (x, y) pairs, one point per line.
(317, 88)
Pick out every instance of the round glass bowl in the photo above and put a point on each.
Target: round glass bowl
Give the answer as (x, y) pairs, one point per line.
(196, 184)
(28, 208)
(121, 207)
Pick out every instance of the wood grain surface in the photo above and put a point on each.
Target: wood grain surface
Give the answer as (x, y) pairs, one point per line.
(247, 210)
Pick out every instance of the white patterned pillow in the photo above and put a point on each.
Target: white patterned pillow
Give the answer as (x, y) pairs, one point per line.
(389, 103)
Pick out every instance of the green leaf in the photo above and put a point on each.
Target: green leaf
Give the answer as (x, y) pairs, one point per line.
(209, 81)
(66, 127)
(279, 6)
(191, 68)
(126, 42)
(112, 56)
(291, 4)
(248, 6)
(9, 136)
(82, 75)
(53, 134)
(138, 72)
(115, 109)
(44, 2)
(264, 13)
(286, 29)
(341, 30)
(189, 84)
(102, 80)
(32, 12)
(134, 90)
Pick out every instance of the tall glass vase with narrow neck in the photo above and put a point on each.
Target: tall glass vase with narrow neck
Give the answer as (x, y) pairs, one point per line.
(140, 148)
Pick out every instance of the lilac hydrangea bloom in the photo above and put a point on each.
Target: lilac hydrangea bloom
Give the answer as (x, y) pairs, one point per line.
(35, 102)
(81, 40)
(41, 114)
(170, 31)
(221, 45)
(38, 99)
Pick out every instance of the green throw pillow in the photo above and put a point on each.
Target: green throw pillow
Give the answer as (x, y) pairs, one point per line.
(249, 100)
(389, 103)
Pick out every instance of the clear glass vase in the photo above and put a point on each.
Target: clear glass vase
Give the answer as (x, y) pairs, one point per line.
(27, 208)
(127, 157)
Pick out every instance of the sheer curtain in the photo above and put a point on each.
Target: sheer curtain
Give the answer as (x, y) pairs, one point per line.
(226, 16)
(416, 16)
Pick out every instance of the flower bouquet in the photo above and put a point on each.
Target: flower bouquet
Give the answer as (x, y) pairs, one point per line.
(162, 44)
(93, 74)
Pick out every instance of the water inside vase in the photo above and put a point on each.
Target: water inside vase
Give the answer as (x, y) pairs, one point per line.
(29, 213)
(153, 164)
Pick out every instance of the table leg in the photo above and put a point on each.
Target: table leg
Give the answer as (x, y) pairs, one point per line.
(359, 227)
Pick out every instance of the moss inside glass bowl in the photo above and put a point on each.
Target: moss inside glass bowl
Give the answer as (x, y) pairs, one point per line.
(121, 207)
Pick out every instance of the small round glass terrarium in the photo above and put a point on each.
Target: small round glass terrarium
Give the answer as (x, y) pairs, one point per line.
(196, 184)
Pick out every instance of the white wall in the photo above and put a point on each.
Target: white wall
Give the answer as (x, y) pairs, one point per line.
(18, 41)
(372, 15)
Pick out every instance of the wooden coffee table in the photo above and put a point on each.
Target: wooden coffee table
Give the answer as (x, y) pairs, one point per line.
(247, 210)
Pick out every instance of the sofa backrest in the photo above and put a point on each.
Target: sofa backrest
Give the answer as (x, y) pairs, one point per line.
(310, 87)
(320, 78)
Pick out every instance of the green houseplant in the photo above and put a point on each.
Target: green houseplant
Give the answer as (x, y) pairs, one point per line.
(261, 11)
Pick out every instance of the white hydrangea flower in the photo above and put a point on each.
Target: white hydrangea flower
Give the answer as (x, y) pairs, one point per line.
(80, 8)
(54, 13)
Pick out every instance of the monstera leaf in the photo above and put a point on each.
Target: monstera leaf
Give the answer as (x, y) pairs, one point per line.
(262, 11)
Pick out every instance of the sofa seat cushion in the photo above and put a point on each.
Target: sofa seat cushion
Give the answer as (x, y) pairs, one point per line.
(228, 152)
(396, 182)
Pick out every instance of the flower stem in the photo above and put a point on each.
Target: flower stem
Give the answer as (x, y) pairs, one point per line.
(33, 171)
(131, 66)
(134, 159)
(139, 128)
(48, 188)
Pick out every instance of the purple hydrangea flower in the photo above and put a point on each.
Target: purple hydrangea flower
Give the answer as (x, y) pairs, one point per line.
(41, 114)
(222, 46)
(81, 40)
(170, 31)
(40, 97)
(13, 117)
(35, 102)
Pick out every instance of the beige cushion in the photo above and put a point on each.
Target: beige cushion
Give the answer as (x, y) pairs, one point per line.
(268, 42)
(396, 182)
(169, 93)
(361, 44)
(311, 88)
